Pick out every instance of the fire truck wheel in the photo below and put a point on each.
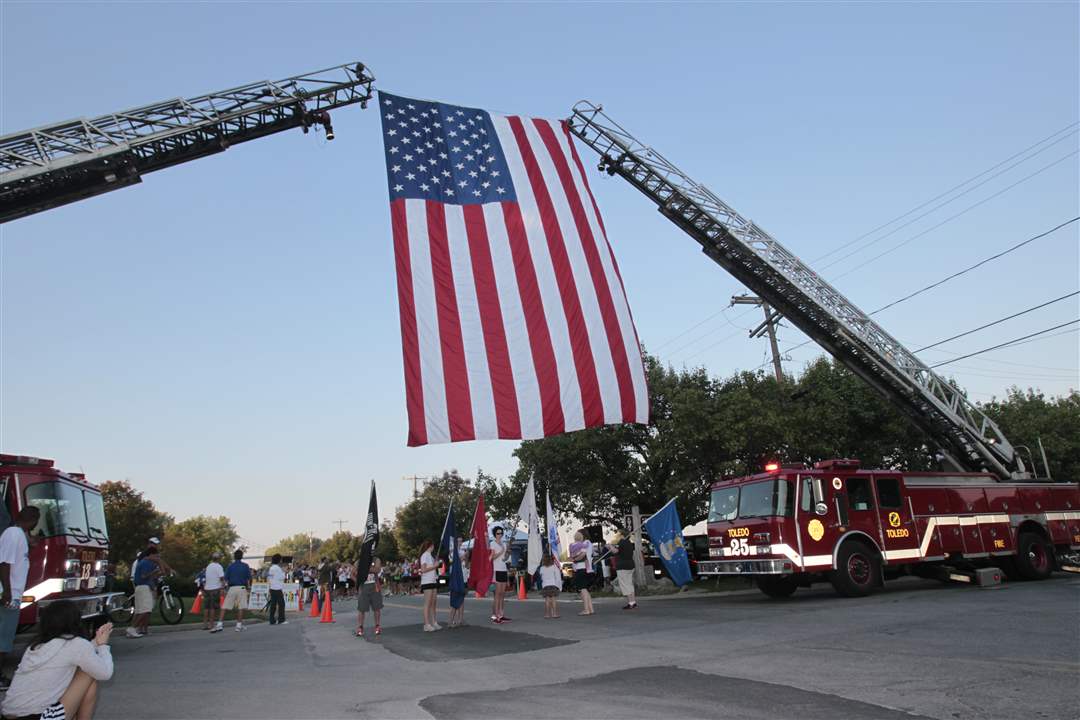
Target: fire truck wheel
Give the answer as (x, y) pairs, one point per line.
(858, 569)
(782, 586)
(1033, 556)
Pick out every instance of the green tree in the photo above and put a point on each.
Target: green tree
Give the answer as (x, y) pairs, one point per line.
(342, 546)
(1025, 416)
(188, 545)
(131, 519)
(302, 547)
(422, 518)
(388, 546)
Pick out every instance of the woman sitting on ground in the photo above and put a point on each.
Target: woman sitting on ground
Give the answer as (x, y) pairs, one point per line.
(59, 673)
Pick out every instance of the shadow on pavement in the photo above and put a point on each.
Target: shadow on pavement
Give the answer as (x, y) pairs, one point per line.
(466, 643)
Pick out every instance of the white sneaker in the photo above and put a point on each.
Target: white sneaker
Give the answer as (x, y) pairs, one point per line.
(133, 633)
(429, 628)
(283, 622)
(217, 628)
(437, 626)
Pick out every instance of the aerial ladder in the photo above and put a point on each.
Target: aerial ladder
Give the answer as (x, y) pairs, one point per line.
(968, 440)
(57, 164)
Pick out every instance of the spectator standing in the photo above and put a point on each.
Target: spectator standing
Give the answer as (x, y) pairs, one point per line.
(581, 555)
(213, 582)
(275, 576)
(624, 569)
(326, 579)
(14, 564)
(147, 571)
(370, 598)
(59, 673)
(429, 585)
(499, 553)
(551, 585)
(238, 577)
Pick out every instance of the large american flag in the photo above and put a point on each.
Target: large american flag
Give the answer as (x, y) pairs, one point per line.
(514, 320)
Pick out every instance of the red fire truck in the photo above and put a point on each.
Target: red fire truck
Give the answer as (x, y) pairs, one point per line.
(69, 551)
(794, 524)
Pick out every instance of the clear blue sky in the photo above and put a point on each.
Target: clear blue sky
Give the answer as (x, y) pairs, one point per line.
(225, 335)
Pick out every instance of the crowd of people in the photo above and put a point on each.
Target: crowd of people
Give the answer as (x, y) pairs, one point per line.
(59, 673)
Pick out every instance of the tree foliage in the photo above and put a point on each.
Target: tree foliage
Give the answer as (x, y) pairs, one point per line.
(132, 519)
(1025, 416)
(422, 518)
(302, 547)
(342, 546)
(189, 544)
(388, 545)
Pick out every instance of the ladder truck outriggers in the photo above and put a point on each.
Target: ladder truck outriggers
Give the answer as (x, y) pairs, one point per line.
(792, 524)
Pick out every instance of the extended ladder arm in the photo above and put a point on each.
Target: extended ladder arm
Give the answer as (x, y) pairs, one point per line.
(50, 166)
(969, 439)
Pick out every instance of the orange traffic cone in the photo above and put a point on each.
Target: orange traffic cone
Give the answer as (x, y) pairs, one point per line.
(327, 610)
(300, 601)
(314, 604)
(196, 607)
(521, 587)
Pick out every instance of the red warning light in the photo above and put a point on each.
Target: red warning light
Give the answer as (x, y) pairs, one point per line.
(770, 467)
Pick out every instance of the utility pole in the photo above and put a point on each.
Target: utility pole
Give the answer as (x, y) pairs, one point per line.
(772, 319)
(640, 578)
(339, 523)
(415, 479)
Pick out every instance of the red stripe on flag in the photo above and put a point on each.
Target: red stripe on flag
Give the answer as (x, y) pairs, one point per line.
(591, 403)
(543, 355)
(596, 270)
(487, 297)
(614, 263)
(455, 375)
(414, 386)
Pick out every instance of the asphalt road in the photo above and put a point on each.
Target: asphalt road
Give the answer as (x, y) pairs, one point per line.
(917, 649)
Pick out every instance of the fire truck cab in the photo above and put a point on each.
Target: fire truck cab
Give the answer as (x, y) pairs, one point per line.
(69, 547)
(793, 525)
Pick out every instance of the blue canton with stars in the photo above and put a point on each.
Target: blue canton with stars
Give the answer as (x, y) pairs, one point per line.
(447, 153)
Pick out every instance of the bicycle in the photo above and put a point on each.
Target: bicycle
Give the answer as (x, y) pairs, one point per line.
(170, 607)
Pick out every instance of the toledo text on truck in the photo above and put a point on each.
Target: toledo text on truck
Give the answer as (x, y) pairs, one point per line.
(69, 553)
(793, 525)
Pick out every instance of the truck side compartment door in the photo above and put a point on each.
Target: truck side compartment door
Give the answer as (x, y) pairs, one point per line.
(900, 536)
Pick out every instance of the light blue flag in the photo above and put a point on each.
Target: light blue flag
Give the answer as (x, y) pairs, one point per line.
(665, 533)
(554, 546)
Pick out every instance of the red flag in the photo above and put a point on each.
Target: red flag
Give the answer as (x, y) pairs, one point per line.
(480, 566)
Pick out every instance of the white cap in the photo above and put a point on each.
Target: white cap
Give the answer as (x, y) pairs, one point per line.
(154, 541)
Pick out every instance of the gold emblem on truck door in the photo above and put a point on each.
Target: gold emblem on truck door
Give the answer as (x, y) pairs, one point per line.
(816, 529)
(894, 519)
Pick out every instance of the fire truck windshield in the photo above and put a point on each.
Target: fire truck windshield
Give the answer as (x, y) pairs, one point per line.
(767, 498)
(67, 510)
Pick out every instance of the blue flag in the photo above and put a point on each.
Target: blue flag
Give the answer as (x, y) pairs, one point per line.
(665, 533)
(457, 576)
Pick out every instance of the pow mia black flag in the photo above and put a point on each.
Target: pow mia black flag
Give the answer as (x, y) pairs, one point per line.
(371, 538)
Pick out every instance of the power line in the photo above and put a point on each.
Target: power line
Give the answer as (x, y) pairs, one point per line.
(1070, 126)
(999, 321)
(966, 210)
(957, 274)
(1006, 344)
(976, 265)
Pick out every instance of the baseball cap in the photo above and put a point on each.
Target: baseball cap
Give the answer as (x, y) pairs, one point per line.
(154, 541)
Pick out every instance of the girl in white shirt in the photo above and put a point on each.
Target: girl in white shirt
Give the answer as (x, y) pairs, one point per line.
(551, 584)
(429, 584)
(499, 552)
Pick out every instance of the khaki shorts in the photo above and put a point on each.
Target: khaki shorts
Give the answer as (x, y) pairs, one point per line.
(144, 599)
(236, 598)
(626, 582)
(369, 598)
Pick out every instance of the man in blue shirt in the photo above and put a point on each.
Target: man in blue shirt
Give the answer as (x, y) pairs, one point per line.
(238, 578)
(145, 575)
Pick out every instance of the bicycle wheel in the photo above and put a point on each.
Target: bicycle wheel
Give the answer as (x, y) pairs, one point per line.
(171, 608)
(123, 614)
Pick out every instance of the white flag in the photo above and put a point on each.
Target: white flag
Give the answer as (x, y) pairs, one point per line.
(527, 512)
(552, 527)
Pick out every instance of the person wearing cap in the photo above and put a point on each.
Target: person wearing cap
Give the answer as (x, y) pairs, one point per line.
(624, 568)
(145, 576)
(212, 584)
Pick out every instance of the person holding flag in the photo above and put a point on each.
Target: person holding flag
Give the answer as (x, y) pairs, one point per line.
(480, 555)
(369, 569)
(457, 578)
